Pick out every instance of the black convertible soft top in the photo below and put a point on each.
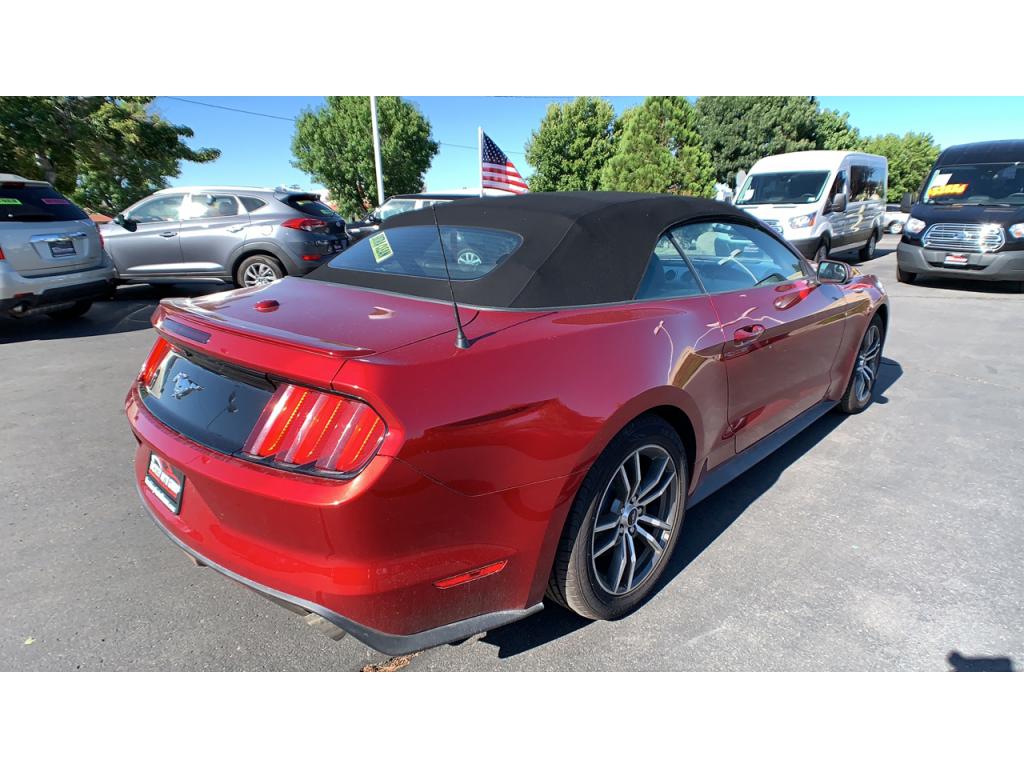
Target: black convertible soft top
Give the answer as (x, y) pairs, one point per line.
(578, 248)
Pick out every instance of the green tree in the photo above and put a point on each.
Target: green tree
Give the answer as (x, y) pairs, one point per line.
(832, 130)
(740, 130)
(103, 152)
(910, 158)
(660, 150)
(334, 145)
(572, 145)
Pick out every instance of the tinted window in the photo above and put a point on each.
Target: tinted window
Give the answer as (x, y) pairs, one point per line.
(210, 207)
(252, 203)
(163, 208)
(35, 203)
(416, 252)
(732, 257)
(668, 276)
(867, 182)
(775, 188)
(838, 186)
(311, 206)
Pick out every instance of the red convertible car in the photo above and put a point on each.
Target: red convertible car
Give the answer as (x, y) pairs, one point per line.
(359, 446)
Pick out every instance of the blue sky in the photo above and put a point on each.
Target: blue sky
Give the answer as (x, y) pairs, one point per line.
(256, 150)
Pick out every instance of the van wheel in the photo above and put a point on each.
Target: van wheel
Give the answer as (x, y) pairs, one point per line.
(258, 269)
(624, 523)
(905, 277)
(868, 251)
(77, 309)
(822, 253)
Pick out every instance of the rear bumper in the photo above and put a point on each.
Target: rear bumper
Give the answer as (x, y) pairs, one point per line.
(16, 289)
(364, 554)
(1003, 265)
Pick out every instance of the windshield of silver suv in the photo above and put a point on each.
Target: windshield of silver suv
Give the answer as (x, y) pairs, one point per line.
(789, 187)
(979, 184)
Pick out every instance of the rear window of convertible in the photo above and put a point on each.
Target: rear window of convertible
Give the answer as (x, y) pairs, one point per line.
(471, 252)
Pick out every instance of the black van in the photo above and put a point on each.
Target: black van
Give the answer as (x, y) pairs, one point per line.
(969, 219)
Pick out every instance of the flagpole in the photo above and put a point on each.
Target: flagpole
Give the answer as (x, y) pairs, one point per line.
(480, 155)
(376, 151)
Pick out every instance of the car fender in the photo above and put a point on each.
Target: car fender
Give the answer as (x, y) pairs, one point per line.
(263, 245)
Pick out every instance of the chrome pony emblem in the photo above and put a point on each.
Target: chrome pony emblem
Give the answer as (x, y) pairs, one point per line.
(184, 386)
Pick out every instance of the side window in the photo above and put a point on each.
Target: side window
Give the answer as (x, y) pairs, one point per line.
(252, 203)
(163, 208)
(838, 186)
(734, 257)
(876, 184)
(866, 183)
(211, 206)
(668, 276)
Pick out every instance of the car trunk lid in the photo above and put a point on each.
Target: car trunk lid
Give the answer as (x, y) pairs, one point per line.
(299, 329)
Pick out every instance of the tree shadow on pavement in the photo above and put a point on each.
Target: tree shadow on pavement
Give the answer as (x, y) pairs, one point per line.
(129, 310)
(960, 663)
(702, 525)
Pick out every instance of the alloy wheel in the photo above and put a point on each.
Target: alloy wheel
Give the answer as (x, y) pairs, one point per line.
(258, 273)
(634, 519)
(868, 359)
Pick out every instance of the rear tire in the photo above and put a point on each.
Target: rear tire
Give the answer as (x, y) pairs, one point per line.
(865, 369)
(258, 269)
(905, 277)
(613, 549)
(76, 310)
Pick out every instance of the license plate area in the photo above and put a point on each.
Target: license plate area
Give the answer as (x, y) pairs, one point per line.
(957, 260)
(62, 248)
(165, 482)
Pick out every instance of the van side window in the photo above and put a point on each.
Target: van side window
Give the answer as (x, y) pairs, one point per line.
(867, 182)
(838, 186)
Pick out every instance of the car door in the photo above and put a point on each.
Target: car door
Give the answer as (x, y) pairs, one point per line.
(213, 227)
(153, 247)
(782, 328)
(839, 222)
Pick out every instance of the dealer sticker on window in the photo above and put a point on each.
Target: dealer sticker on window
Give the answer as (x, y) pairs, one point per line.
(9, 201)
(165, 482)
(381, 247)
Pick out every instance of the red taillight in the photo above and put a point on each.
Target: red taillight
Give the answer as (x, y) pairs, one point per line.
(103, 243)
(156, 357)
(306, 224)
(306, 428)
(1, 254)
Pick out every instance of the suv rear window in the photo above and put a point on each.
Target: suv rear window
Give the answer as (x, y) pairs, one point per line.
(415, 252)
(311, 206)
(30, 202)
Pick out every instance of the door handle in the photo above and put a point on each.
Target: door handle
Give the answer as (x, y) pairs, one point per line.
(236, 228)
(748, 334)
(168, 234)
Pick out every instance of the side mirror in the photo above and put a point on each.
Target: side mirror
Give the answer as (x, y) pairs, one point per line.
(906, 202)
(838, 204)
(124, 221)
(836, 272)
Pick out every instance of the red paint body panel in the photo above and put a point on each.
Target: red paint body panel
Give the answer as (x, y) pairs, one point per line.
(486, 447)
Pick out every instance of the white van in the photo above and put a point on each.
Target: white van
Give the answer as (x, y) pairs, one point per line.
(821, 202)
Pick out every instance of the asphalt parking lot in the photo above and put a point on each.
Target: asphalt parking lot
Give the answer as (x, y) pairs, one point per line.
(885, 541)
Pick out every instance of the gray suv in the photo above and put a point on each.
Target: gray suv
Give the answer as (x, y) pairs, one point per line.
(241, 235)
(51, 253)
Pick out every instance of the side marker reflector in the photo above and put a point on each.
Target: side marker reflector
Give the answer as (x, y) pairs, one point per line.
(473, 575)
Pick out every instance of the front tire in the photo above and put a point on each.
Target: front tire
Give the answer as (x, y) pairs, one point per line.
(822, 252)
(865, 369)
(624, 523)
(76, 310)
(258, 269)
(868, 251)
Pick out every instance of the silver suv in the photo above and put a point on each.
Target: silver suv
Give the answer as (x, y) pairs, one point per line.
(242, 235)
(51, 253)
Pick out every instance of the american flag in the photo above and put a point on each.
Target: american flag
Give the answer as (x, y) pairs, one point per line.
(497, 171)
